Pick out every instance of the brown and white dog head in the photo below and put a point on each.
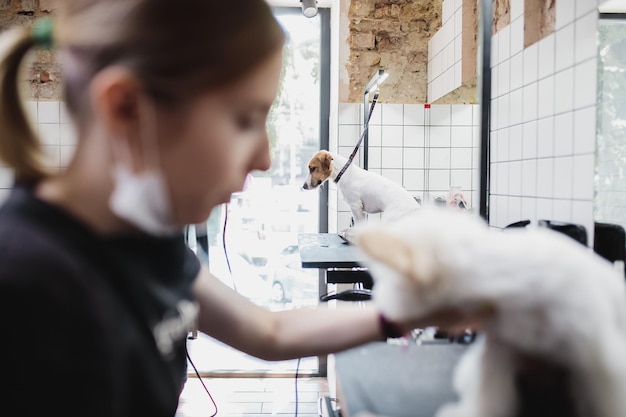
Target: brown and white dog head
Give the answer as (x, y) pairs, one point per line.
(320, 167)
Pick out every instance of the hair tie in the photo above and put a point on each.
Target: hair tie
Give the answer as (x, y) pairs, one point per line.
(42, 33)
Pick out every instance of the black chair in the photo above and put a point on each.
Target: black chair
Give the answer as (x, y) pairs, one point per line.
(575, 231)
(609, 241)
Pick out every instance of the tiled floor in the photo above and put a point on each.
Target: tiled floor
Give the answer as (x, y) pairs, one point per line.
(252, 397)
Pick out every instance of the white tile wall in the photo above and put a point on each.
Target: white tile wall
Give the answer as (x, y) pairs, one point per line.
(426, 150)
(445, 52)
(542, 162)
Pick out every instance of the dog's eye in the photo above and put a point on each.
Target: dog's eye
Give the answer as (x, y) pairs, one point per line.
(312, 169)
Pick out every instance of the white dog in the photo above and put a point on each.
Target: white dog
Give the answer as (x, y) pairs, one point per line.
(364, 191)
(555, 301)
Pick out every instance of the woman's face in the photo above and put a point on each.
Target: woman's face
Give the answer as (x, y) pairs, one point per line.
(207, 152)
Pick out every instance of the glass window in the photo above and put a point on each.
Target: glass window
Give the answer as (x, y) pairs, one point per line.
(253, 239)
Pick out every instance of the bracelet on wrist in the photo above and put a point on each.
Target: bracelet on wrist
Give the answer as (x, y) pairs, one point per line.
(389, 329)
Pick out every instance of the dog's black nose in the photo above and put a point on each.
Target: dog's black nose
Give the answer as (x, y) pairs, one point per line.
(305, 186)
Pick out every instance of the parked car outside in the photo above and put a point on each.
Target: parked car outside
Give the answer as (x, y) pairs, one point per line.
(292, 283)
(244, 277)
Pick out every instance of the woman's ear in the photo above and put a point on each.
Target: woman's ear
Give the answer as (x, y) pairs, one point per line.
(115, 99)
(115, 95)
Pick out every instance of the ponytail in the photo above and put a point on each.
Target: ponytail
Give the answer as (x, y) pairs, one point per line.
(19, 146)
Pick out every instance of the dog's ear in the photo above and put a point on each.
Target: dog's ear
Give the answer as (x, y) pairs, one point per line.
(398, 254)
(325, 160)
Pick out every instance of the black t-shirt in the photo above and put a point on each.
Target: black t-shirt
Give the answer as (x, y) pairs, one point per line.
(89, 326)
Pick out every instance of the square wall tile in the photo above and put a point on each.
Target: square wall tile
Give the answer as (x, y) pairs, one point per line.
(392, 135)
(502, 150)
(461, 136)
(394, 175)
(514, 209)
(461, 115)
(413, 179)
(586, 37)
(564, 48)
(494, 177)
(504, 78)
(495, 47)
(461, 158)
(504, 44)
(586, 84)
(48, 112)
(517, 67)
(565, 13)
(413, 115)
(517, 36)
(413, 158)
(440, 114)
(504, 111)
(529, 144)
(374, 135)
(544, 208)
(531, 66)
(503, 179)
(562, 210)
(545, 97)
(545, 137)
(545, 174)
(564, 134)
(515, 178)
(516, 107)
(515, 143)
(583, 188)
(49, 133)
(529, 177)
(530, 102)
(348, 135)
(563, 174)
(377, 114)
(439, 158)
(346, 151)
(439, 179)
(414, 136)
(564, 91)
(517, 9)
(585, 130)
(585, 6)
(393, 114)
(391, 158)
(582, 213)
(374, 157)
(529, 210)
(546, 56)
(349, 114)
(439, 136)
(461, 178)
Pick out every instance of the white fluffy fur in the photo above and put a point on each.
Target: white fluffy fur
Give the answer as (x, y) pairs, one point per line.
(554, 298)
(369, 192)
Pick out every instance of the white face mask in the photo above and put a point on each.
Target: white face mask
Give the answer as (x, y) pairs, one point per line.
(143, 199)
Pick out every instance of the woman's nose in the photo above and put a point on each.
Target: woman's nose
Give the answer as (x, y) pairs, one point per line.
(262, 159)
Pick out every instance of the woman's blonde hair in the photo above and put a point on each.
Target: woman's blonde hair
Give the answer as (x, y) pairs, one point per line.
(177, 49)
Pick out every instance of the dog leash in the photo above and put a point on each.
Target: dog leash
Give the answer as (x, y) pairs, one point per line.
(358, 144)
